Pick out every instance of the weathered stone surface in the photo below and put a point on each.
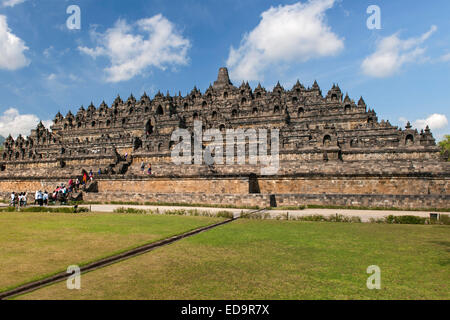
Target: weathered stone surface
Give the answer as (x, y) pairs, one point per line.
(332, 150)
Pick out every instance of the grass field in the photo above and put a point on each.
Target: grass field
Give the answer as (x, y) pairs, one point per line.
(33, 245)
(253, 259)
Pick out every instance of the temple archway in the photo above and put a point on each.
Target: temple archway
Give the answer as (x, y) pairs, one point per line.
(409, 140)
(326, 140)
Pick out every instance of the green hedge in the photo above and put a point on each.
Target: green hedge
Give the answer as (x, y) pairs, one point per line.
(178, 212)
(405, 220)
(45, 209)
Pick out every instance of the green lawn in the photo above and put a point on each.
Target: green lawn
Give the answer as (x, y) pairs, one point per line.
(33, 245)
(252, 259)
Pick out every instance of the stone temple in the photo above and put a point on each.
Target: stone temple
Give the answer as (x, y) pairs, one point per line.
(332, 151)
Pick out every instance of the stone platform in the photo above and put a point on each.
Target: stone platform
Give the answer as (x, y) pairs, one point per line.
(332, 151)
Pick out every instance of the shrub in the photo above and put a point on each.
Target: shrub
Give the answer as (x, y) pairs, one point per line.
(130, 210)
(316, 206)
(125, 202)
(257, 216)
(8, 209)
(405, 220)
(46, 209)
(73, 203)
(177, 212)
(204, 205)
(314, 218)
(377, 220)
(445, 146)
(225, 214)
(445, 219)
(180, 212)
(356, 219)
(331, 218)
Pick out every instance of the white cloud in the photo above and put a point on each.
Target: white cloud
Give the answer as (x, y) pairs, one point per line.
(435, 121)
(51, 77)
(48, 52)
(73, 77)
(47, 124)
(285, 34)
(392, 53)
(154, 43)
(445, 57)
(14, 123)
(11, 3)
(11, 48)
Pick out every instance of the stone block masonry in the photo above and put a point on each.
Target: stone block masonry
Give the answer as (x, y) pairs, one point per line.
(332, 151)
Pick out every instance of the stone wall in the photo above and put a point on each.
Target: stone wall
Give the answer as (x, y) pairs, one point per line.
(266, 200)
(28, 185)
(175, 185)
(241, 185)
(333, 150)
(361, 185)
(313, 158)
(366, 200)
(377, 192)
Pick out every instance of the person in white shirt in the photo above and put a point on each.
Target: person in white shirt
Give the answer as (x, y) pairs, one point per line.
(39, 197)
(13, 198)
(45, 198)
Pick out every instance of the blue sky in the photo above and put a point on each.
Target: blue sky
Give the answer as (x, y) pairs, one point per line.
(402, 70)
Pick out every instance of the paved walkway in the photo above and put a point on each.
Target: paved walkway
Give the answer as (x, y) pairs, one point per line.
(365, 215)
(112, 207)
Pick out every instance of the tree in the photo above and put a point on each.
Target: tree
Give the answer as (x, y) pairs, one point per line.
(445, 146)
